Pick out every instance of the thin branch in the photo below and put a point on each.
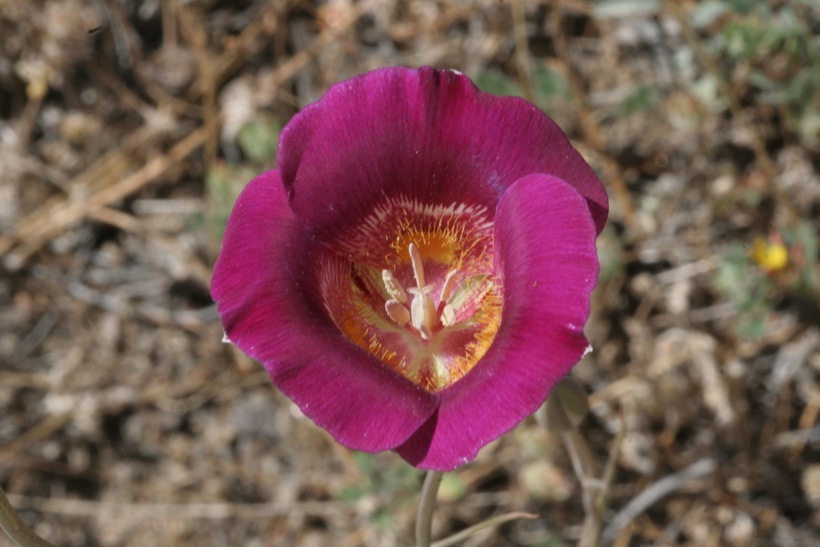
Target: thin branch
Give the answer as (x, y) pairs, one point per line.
(16, 529)
(653, 493)
(487, 524)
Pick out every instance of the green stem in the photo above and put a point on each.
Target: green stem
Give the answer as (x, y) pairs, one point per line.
(424, 519)
(578, 445)
(583, 462)
(15, 528)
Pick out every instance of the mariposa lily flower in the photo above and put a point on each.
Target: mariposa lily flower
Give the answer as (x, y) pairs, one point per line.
(416, 274)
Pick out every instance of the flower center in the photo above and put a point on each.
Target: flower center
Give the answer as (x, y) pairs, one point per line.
(424, 313)
(422, 298)
(436, 324)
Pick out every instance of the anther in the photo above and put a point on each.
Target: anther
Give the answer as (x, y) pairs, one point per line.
(397, 312)
(448, 316)
(393, 287)
(448, 286)
(418, 266)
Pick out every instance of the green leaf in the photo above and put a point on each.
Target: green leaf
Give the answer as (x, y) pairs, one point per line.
(642, 98)
(259, 139)
(223, 182)
(496, 82)
(567, 405)
(548, 83)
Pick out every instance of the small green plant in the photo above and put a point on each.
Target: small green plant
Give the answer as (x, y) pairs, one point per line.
(376, 479)
(496, 82)
(778, 265)
(641, 99)
(259, 139)
(223, 183)
(741, 283)
(549, 86)
(775, 51)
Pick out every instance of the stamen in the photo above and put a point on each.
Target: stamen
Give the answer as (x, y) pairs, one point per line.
(448, 316)
(448, 286)
(418, 266)
(393, 287)
(397, 312)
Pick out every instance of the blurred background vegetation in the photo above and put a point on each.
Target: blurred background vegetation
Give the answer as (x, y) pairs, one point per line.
(127, 129)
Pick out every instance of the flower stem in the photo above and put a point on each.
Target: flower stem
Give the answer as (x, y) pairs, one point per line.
(585, 467)
(15, 528)
(424, 519)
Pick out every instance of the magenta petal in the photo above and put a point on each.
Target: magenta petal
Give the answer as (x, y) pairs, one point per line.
(545, 247)
(424, 134)
(262, 285)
